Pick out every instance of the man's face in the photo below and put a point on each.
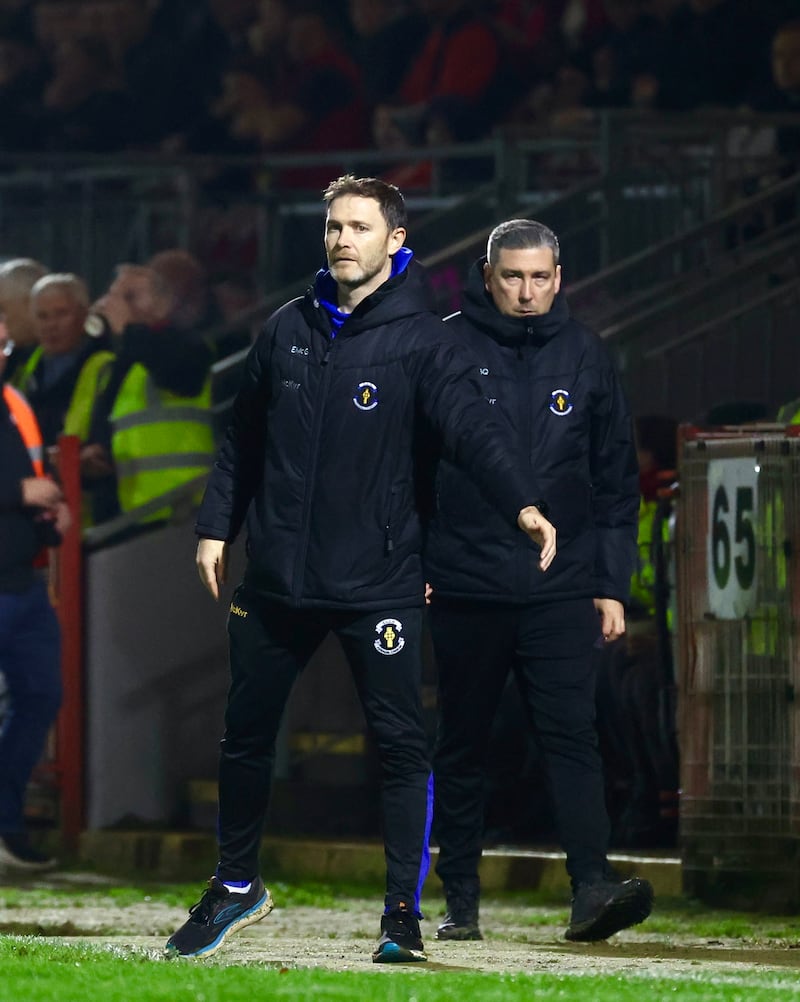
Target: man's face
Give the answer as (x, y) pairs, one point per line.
(136, 284)
(59, 320)
(523, 283)
(786, 60)
(16, 312)
(358, 243)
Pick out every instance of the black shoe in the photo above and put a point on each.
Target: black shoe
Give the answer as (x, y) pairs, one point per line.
(602, 908)
(215, 916)
(400, 940)
(458, 926)
(461, 920)
(16, 853)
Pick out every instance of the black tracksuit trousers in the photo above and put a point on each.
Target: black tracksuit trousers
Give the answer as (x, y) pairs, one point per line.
(270, 644)
(548, 646)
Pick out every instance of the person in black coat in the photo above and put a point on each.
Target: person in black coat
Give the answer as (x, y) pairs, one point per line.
(319, 458)
(493, 613)
(32, 515)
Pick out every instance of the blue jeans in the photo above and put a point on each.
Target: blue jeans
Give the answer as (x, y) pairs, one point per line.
(30, 660)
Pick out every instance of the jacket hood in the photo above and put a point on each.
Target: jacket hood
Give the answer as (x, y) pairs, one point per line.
(406, 293)
(479, 309)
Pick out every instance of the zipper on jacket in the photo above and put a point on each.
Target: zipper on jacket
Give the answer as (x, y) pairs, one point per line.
(526, 406)
(311, 474)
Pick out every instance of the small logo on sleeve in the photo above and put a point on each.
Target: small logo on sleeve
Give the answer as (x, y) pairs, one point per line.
(237, 610)
(560, 403)
(390, 637)
(366, 396)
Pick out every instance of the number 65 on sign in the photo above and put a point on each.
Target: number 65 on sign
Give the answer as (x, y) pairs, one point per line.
(732, 513)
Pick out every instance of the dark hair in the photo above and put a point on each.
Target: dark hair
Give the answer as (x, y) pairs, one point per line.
(520, 234)
(388, 197)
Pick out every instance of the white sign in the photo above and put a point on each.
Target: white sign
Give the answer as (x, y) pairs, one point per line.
(732, 511)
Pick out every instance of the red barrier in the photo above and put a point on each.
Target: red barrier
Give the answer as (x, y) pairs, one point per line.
(67, 594)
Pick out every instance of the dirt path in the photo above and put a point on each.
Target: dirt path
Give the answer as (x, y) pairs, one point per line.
(518, 939)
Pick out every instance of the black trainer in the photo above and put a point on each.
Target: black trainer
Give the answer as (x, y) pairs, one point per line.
(456, 926)
(400, 940)
(16, 853)
(215, 916)
(602, 908)
(461, 920)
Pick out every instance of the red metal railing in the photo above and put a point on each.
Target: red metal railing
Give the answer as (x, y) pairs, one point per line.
(67, 595)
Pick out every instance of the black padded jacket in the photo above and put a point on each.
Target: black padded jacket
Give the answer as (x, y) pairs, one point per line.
(22, 534)
(554, 382)
(320, 454)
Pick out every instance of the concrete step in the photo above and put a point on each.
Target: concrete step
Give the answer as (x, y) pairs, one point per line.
(192, 856)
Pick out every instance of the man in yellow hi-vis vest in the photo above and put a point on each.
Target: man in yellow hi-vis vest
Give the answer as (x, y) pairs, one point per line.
(152, 429)
(62, 376)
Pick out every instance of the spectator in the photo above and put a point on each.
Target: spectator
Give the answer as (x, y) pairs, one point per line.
(629, 47)
(781, 96)
(22, 80)
(656, 438)
(387, 35)
(172, 54)
(62, 375)
(313, 104)
(460, 62)
(86, 106)
(17, 277)
(32, 514)
(723, 45)
(528, 32)
(151, 429)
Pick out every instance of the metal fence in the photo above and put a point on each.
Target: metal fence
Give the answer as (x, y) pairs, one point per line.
(739, 664)
(650, 177)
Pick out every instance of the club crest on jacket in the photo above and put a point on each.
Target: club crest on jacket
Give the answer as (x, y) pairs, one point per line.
(390, 637)
(366, 396)
(560, 403)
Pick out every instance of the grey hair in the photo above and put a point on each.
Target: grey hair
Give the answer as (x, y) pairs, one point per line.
(19, 275)
(520, 234)
(63, 280)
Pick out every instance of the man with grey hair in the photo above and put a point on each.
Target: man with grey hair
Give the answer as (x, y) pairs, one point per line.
(17, 277)
(493, 613)
(61, 376)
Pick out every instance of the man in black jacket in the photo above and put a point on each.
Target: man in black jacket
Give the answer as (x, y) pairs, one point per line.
(320, 458)
(32, 515)
(492, 612)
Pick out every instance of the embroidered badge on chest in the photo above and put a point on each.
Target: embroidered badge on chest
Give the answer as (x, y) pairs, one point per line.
(560, 403)
(366, 396)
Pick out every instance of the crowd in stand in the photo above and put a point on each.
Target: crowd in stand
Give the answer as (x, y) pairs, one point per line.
(242, 76)
(218, 76)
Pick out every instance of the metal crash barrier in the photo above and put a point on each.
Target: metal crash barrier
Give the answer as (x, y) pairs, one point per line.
(738, 594)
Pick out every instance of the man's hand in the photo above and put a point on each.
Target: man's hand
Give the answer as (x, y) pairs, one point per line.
(40, 492)
(114, 308)
(532, 521)
(62, 517)
(212, 564)
(612, 617)
(95, 462)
